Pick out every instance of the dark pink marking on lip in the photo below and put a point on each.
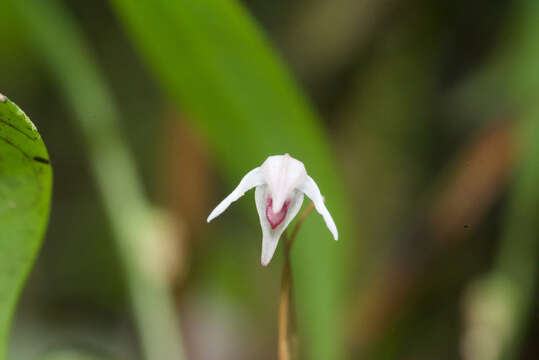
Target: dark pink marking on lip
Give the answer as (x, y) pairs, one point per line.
(275, 219)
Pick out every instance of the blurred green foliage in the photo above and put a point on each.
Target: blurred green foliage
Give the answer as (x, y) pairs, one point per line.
(212, 50)
(421, 129)
(137, 227)
(517, 263)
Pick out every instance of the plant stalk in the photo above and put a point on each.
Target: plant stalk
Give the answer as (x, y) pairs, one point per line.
(286, 329)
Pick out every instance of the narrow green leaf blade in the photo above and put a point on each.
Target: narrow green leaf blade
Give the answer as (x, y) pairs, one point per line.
(25, 192)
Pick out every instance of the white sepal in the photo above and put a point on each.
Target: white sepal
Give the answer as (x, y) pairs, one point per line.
(310, 189)
(250, 180)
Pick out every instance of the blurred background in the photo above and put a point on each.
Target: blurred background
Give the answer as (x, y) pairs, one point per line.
(419, 119)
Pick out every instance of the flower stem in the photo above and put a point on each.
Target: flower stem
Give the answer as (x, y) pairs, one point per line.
(284, 313)
(286, 318)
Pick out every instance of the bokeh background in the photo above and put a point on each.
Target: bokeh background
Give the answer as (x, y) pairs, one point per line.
(419, 119)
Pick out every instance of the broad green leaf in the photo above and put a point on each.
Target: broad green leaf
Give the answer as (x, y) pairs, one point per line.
(25, 192)
(215, 63)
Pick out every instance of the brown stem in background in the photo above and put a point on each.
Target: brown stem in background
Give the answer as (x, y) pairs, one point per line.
(286, 318)
(475, 181)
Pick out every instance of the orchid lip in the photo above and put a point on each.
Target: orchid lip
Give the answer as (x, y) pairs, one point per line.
(275, 219)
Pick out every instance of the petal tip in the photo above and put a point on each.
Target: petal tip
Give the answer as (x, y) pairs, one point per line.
(332, 228)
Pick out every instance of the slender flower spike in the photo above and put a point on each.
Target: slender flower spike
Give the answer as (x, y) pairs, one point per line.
(281, 181)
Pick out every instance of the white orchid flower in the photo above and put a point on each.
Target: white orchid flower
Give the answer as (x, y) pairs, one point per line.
(281, 181)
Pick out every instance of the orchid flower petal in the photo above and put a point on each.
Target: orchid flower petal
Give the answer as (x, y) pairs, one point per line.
(283, 174)
(251, 179)
(270, 237)
(310, 189)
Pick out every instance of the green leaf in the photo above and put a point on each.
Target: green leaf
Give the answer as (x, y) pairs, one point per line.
(215, 63)
(25, 193)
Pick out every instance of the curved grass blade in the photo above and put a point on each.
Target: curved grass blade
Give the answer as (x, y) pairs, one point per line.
(25, 193)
